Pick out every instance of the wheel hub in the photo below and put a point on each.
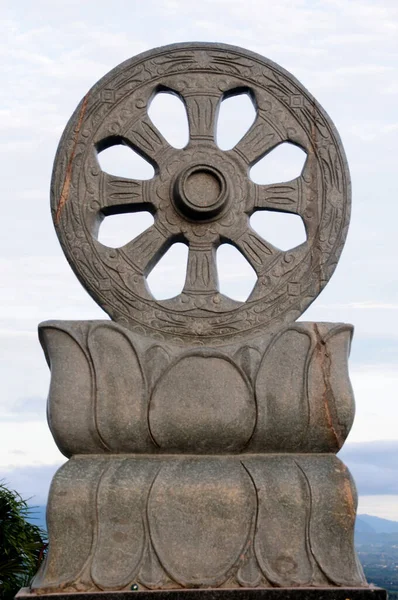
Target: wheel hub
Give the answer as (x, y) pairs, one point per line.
(200, 192)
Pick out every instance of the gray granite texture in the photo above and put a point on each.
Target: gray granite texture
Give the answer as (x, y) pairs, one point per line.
(175, 521)
(112, 391)
(201, 432)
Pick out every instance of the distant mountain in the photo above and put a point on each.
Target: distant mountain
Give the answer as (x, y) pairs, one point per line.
(375, 531)
(362, 526)
(369, 524)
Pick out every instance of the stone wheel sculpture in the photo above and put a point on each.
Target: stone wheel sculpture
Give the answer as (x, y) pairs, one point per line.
(200, 195)
(200, 468)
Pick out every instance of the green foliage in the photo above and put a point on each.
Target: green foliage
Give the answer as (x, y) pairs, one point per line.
(21, 543)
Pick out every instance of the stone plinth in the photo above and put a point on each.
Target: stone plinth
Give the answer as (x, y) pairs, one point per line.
(177, 521)
(372, 593)
(182, 482)
(113, 391)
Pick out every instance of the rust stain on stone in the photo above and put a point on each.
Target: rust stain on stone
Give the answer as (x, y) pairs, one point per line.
(349, 497)
(68, 176)
(318, 266)
(325, 364)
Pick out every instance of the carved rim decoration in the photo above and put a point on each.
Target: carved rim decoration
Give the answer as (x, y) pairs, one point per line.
(200, 195)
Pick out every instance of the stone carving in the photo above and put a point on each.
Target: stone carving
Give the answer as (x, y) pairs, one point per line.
(200, 195)
(271, 520)
(128, 398)
(201, 431)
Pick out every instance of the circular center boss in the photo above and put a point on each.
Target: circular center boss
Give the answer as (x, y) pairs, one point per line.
(200, 195)
(200, 192)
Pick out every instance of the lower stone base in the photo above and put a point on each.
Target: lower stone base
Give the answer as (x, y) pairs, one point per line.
(190, 522)
(220, 594)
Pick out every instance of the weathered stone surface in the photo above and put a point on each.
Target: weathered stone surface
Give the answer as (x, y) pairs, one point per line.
(182, 417)
(177, 521)
(304, 396)
(200, 194)
(196, 505)
(132, 395)
(201, 431)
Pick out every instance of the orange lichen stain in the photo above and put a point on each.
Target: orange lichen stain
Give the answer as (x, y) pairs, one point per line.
(325, 364)
(349, 498)
(68, 176)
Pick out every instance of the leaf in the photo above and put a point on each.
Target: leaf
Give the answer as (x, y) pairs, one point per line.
(22, 544)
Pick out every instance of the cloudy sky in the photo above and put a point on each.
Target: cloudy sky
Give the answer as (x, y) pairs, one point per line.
(344, 52)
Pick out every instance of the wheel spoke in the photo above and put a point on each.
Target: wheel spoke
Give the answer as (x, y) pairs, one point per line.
(258, 252)
(258, 141)
(146, 139)
(293, 196)
(119, 194)
(202, 113)
(283, 197)
(146, 249)
(201, 271)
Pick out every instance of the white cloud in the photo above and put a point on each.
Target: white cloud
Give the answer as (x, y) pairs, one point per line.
(385, 507)
(375, 391)
(34, 446)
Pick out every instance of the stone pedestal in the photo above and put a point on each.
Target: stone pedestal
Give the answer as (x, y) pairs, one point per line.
(223, 594)
(171, 522)
(201, 432)
(177, 477)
